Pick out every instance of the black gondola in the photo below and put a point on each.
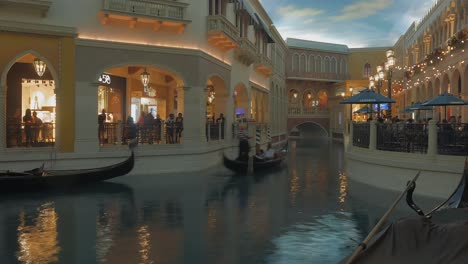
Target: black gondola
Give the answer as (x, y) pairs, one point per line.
(438, 236)
(42, 178)
(258, 165)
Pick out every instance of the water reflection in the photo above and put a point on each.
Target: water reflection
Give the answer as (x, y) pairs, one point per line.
(299, 214)
(37, 236)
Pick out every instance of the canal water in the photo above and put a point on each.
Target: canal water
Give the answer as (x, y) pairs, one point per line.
(301, 213)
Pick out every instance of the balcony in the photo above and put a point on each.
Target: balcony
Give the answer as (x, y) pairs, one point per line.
(319, 76)
(161, 14)
(222, 33)
(264, 65)
(37, 6)
(246, 52)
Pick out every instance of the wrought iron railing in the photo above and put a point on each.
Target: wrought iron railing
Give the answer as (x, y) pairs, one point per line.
(214, 131)
(402, 137)
(31, 135)
(451, 138)
(361, 135)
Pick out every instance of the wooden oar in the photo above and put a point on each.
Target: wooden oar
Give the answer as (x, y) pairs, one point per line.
(382, 220)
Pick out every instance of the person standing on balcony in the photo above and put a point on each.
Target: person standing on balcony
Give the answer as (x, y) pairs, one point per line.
(220, 122)
(28, 122)
(179, 127)
(170, 122)
(37, 127)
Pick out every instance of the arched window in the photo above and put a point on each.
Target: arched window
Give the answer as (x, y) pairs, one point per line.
(322, 100)
(312, 63)
(327, 64)
(318, 64)
(302, 63)
(367, 70)
(333, 65)
(295, 63)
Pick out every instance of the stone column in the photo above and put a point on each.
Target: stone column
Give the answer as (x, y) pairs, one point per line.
(3, 118)
(86, 139)
(58, 117)
(373, 135)
(195, 118)
(180, 99)
(432, 139)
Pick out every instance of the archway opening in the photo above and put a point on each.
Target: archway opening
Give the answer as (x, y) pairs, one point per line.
(309, 134)
(146, 99)
(216, 101)
(241, 102)
(30, 104)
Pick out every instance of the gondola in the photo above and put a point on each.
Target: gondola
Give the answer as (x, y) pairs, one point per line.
(438, 236)
(39, 178)
(258, 165)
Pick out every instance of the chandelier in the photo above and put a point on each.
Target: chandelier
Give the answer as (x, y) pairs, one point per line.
(39, 66)
(211, 94)
(145, 77)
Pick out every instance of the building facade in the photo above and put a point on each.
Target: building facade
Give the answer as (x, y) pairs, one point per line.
(67, 61)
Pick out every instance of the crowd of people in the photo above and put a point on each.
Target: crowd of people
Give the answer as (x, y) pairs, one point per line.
(32, 127)
(147, 129)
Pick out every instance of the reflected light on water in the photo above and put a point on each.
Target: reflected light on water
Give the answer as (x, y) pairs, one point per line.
(144, 240)
(343, 187)
(294, 187)
(38, 240)
(105, 232)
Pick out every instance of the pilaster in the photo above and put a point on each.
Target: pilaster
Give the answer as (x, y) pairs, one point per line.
(3, 117)
(195, 115)
(373, 135)
(86, 131)
(432, 139)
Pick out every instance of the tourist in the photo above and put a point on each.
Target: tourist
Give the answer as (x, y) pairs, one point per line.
(179, 127)
(37, 127)
(28, 121)
(270, 152)
(244, 149)
(101, 120)
(170, 123)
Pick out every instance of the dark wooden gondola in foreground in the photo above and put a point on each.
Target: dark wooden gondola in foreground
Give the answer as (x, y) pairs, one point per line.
(439, 236)
(258, 165)
(39, 178)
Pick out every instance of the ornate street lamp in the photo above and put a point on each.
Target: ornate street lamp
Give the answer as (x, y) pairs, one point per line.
(389, 64)
(39, 66)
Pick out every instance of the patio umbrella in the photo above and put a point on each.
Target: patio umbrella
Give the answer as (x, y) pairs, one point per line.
(367, 96)
(444, 100)
(364, 110)
(419, 106)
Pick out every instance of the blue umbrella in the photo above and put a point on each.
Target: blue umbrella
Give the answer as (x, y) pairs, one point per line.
(419, 106)
(367, 96)
(444, 100)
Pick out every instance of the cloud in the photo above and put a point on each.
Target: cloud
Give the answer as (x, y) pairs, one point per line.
(291, 11)
(363, 9)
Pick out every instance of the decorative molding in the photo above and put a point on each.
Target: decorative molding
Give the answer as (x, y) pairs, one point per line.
(150, 48)
(43, 29)
(39, 6)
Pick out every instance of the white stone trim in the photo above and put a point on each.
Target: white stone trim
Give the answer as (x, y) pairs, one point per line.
(42, 29)
(150, 48)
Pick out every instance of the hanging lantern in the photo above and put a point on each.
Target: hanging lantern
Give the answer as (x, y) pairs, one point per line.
(295, 94)
(39, 66)
(145, 77)
(309, 95)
